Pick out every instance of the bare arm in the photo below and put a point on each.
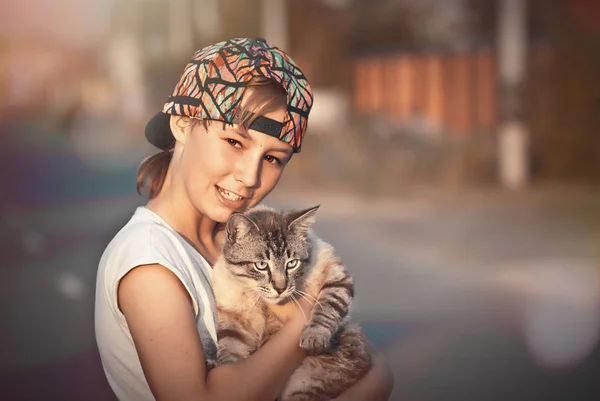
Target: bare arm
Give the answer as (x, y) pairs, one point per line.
(377, 385)
(160, 316)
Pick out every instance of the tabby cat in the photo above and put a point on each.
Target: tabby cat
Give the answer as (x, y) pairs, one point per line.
(272, 256)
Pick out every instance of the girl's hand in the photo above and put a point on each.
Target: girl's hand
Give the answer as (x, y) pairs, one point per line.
(377, 385)
(299, 311)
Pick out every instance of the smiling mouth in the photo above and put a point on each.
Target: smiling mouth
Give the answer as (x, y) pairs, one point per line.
(232, 196)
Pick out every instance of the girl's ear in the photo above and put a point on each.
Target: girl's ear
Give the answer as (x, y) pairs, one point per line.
(180, 128)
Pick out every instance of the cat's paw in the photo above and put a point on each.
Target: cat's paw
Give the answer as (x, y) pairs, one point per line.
(315, 339)
(225, 358)
(211, 364)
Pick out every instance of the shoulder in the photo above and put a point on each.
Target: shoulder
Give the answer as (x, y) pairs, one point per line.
(144, 240)
(143, 235)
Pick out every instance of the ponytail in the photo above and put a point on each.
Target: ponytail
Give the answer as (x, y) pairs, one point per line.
(153, 171)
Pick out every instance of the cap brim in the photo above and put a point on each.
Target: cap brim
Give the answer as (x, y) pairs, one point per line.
(158, 131)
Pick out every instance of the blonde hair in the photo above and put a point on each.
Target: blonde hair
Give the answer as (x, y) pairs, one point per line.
(262, 96)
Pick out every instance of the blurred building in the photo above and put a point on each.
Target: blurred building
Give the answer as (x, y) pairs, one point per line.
(419, 75)
(431, 78)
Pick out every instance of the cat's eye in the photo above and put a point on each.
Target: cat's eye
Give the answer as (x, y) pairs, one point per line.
(292, 264)
(261, 265)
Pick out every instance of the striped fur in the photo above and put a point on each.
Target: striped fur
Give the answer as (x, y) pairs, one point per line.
(336, 347)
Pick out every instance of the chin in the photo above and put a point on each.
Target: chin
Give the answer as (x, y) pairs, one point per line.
(282, 301)
(219, 213)
(276, 301)
(221, 216)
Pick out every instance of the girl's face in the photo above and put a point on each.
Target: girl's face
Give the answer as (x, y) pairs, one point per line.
(227, 170)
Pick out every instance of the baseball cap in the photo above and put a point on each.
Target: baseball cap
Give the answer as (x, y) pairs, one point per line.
(213, 83)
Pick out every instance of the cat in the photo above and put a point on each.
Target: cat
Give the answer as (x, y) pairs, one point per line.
(273, 256)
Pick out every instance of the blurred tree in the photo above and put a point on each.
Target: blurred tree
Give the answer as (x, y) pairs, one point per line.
(564, 91)
(317, 41)
(379, 24)
(389, 24)
(239, 18)
(483, 19)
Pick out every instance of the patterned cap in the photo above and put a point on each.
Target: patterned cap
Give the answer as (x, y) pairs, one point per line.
(213, 83)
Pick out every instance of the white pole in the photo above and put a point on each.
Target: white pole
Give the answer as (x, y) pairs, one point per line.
(125, 59)
(513, 137)
(206, 18)
(275, 23)
(180, 27)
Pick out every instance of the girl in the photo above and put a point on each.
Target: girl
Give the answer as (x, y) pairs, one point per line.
(227, 131)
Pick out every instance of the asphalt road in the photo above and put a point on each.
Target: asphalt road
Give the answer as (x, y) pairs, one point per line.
(445, 290)
(486, 297)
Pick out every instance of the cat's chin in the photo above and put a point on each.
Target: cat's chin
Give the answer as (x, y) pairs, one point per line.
(278, 301)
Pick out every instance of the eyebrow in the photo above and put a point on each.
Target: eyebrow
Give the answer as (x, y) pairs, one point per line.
(244, 134)
(287, 152)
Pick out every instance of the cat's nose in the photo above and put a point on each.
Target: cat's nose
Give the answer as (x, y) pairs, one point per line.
(279, 290)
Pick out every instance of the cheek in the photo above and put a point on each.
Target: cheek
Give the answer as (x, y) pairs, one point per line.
(269, 179)
(196, 178)
(293, 276)
(204, 165)
(257, 279)
(263, 278)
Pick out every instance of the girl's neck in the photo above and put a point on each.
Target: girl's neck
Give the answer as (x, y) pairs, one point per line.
(177, 211)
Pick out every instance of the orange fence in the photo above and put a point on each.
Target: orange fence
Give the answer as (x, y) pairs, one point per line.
(454, 92)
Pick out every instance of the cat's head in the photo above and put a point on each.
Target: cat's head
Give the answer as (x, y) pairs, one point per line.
(269, 250)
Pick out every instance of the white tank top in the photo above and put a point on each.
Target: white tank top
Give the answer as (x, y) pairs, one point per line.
(146, 239)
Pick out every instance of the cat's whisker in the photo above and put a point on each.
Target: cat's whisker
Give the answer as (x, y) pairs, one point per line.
(299, 307)
(305, 294)
(256, 299)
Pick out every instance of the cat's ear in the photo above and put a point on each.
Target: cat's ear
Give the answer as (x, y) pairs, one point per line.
(239, 225)
(302, 220)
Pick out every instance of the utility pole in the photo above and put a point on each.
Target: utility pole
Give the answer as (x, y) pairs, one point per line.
(513, 136)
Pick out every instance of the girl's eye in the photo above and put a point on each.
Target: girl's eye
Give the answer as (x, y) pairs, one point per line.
(273, 160)
(234, 143)
(261, 265)
(292, 264)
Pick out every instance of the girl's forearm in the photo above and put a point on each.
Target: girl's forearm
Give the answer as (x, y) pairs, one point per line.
(377, 385)
(262, 375)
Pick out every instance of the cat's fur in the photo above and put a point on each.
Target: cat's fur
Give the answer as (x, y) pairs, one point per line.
(337, 349)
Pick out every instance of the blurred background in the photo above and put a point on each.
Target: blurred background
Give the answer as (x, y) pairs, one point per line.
(454, 146)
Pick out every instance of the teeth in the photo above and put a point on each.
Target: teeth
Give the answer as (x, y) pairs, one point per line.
(229, 195)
